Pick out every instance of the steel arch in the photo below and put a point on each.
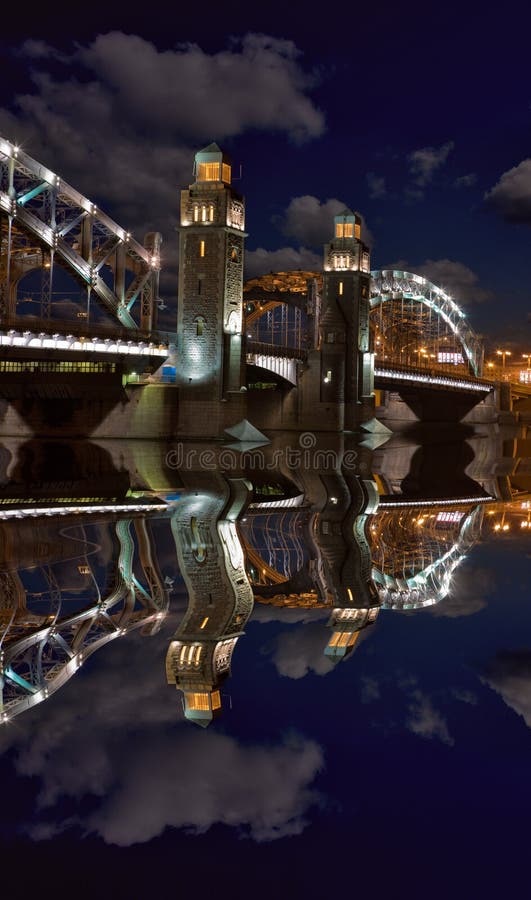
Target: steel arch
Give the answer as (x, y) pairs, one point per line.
(66, 226)
(394, 284)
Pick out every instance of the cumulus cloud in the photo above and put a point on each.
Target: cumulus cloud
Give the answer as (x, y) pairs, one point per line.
(121, 120)
(120, 743)
(376, 185)
(297, 653)
(311, 221)
(509, 674)
(424, 163)
(456, 278)
(260, 261)
(425, 720)
(511, 195)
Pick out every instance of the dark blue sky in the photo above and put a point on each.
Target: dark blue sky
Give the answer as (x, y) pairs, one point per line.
(410, 113)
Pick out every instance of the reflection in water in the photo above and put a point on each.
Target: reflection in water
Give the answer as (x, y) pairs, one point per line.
(80, 571)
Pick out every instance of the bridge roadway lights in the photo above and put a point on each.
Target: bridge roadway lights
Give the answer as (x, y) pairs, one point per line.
(71, 342)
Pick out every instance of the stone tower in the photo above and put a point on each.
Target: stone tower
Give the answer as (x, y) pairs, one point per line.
(347, 363)
(210, 316)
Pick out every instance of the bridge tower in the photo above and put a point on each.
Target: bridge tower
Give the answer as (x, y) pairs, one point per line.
(347, 363)
(210, 316)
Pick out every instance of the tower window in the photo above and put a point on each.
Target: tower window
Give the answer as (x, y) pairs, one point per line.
(196, 213)
(225, 173)
(208, 172)
(203, 213)
(199, 323)
(211, 213)
(357, 232)
(234, 256)
(201, 248)
(345, 230)
(340, 289)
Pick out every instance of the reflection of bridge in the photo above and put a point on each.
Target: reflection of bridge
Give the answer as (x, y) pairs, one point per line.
(39, 653)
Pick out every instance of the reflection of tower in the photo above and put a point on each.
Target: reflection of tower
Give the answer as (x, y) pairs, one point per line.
(347, 625)
(346, 360)
(211, 277)
(220, 597)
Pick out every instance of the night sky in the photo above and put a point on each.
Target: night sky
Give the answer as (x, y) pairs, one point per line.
(417, 116)
(403, 772)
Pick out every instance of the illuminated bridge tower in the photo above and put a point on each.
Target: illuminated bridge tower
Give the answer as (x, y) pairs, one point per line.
(210, 316)
(347, 363)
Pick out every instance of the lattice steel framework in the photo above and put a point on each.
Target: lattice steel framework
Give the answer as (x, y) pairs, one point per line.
(417, 324)
(45, 223)
(38, 654)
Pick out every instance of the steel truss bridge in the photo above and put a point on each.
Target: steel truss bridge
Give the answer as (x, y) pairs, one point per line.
(419, 334)
(48, 227)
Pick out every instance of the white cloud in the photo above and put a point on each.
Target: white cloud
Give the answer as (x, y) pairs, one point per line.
(298, 652)
(509, 674)
(511, 195)
(116, 736)
(260, 261)
(456, 278)
(424, 163)
(425, 720)
(311, 221)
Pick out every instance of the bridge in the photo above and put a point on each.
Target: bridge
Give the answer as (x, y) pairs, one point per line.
(334, 341)
(420, 336)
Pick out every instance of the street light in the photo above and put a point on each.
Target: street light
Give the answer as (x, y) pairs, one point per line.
(528, 357)
(503, 354)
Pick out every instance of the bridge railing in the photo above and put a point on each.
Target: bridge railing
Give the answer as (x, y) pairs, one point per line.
(263, 349)
(455, 373)
(80, 328)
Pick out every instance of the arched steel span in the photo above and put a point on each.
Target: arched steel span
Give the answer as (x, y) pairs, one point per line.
(391, 285)
(34, 665)
(431, 583)
(45, 221)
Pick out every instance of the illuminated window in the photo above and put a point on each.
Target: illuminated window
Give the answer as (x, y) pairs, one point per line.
(199, 329)
(344, 229)
(225, 173)
(209, 172)
(211, 213)
(196, 213)
(204, 622)
(216, 700)
(203, 213)
(340, 289)
(198, 701)
(201, 248)
(334, 639)
(357, 232)
(234, 255)
(344, 639)
(197, 656)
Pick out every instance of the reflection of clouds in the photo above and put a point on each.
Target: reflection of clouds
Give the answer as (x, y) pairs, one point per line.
(509, 674)
(267, 613)
(298, 652)
(425, 720)
(115, 737)
(469, 592)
